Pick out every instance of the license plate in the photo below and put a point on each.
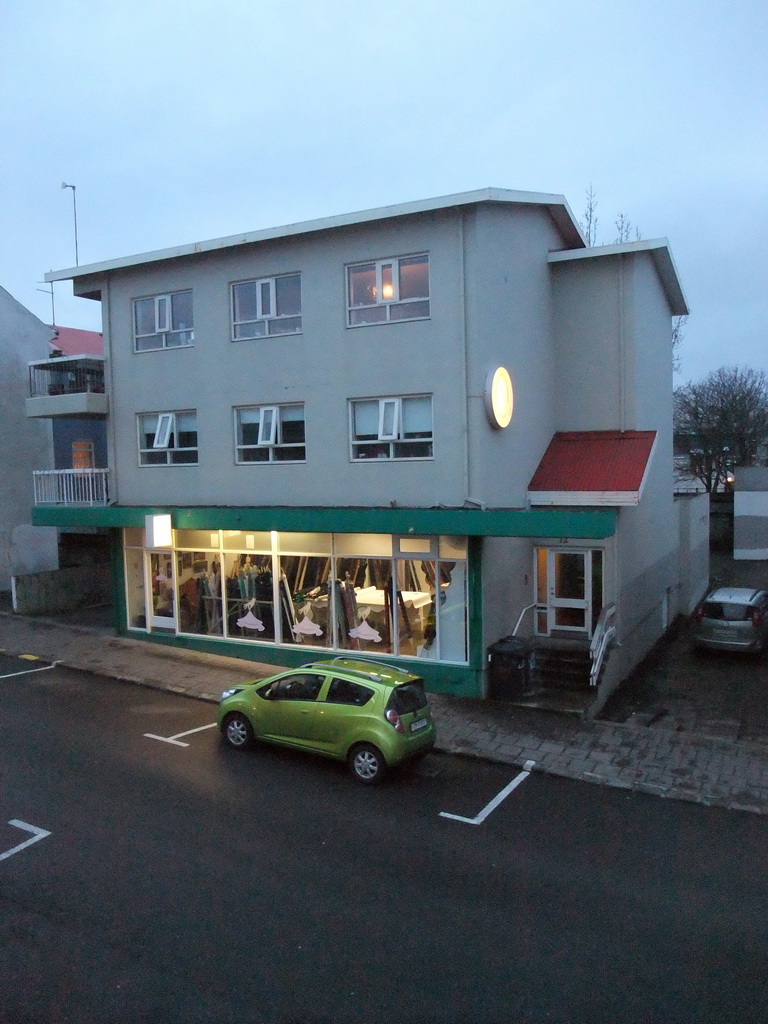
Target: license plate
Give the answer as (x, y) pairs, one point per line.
(421, 724)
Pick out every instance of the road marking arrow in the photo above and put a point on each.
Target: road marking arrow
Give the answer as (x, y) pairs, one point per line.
(37, 835)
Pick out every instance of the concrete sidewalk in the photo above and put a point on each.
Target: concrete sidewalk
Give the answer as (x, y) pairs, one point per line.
(686, 766)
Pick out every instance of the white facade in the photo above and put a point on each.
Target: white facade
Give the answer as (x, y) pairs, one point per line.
(750, 513)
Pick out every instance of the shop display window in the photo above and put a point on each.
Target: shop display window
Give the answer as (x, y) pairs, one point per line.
(450, 613)
(305, 543)
(197, 540)
(363, 604)
(247, 540)
(134, 587)
(249, 596)
(306, 599)
(198, 580)
(360, 545)
(370, 593)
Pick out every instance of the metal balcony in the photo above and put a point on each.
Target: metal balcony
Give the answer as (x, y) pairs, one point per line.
(75, 487)
(67, 386)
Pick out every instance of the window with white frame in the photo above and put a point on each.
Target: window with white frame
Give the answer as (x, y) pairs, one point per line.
(163, 321)
(386, 290)
(168, 438)
(267, 306)
(391, 428)
(270, 433)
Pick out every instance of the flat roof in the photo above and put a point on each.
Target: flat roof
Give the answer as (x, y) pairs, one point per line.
(556, 205)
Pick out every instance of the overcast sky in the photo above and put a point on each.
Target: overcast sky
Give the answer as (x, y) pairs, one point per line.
(183, 120)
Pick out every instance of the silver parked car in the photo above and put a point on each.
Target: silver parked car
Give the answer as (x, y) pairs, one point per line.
(731, 619)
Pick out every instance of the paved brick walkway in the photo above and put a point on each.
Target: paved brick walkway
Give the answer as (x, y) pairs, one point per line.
(655, 760)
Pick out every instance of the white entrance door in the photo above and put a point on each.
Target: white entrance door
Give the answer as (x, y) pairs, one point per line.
(564, 591)
(162, 588)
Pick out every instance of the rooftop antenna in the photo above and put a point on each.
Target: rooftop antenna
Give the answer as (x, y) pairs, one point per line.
(74, 210)
(53, 306)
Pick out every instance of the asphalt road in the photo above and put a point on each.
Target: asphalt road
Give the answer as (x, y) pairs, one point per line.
(194, 883)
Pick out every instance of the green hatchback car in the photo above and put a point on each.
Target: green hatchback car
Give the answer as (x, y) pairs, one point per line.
(370, 715)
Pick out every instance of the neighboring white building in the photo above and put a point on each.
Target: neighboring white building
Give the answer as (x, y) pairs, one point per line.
(750, 513)
(27, 445)
(407, 432)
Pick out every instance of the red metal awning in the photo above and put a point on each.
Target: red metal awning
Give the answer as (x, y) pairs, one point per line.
(593, 467)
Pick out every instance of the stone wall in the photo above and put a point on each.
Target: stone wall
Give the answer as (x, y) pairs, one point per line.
(61, 590)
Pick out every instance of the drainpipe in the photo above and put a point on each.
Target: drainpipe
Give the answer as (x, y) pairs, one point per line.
(622, 426)
(622, 348)
(109, 388)
(463, 338)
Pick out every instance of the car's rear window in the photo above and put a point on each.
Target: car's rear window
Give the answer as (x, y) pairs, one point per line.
(408, 697)
(726, 611)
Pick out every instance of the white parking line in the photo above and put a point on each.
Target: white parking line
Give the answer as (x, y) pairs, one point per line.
(28, 671)
(37, 835)
(496, 800)
(175, 739)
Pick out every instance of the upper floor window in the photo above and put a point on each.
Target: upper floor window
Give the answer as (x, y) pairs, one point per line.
(392, 428)
(163, 321)
(268, 306)
(270, 433)
(168, 438)
(386, 290)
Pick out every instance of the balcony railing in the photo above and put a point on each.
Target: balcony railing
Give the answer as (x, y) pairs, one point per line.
(71, 486)
(66, 375)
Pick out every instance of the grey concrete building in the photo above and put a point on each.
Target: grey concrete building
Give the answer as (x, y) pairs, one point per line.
(27, 445)
(408, 432)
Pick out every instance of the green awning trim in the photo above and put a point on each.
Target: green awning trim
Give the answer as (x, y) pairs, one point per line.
(587, 524)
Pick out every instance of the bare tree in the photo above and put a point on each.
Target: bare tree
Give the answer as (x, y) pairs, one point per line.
(678, 333)
(625, 230)
(722, 422)
(589, 222)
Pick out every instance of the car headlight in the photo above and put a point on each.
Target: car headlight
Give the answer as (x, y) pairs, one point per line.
(232, 690)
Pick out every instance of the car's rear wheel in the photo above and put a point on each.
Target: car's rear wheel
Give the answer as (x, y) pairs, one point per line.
(367, 764)
(238, 731)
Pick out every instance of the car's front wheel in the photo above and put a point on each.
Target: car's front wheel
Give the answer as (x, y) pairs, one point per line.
(238, 731)
(367, 764)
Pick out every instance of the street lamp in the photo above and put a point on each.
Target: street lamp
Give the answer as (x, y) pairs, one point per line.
(74, 210)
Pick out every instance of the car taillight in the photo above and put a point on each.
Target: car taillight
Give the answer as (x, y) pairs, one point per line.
(757, 617)
(394, 720)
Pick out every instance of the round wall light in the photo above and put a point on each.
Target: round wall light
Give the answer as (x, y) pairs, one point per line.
(499, 399)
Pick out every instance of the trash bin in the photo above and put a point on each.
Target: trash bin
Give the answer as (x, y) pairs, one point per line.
(509, 667)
